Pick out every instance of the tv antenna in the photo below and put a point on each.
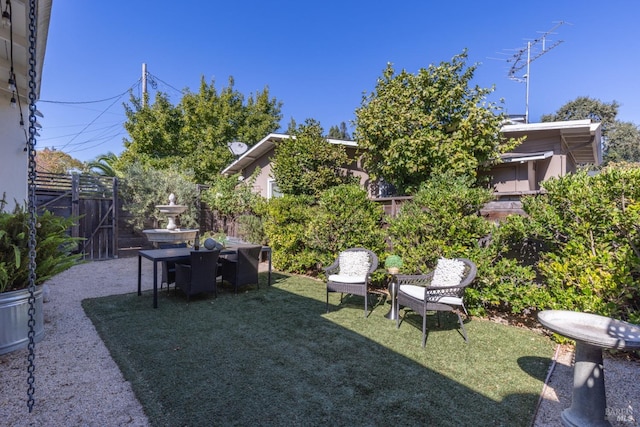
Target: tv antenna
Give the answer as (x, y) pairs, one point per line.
(526, 55)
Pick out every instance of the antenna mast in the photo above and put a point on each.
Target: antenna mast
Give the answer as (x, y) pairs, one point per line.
(523, 58)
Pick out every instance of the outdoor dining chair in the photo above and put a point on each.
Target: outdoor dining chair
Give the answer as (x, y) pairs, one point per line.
(200, 275)
(351, 273)
(169, 267)
(241, 269)
(439, 290)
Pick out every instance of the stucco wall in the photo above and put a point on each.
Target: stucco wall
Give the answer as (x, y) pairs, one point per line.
(13, 159)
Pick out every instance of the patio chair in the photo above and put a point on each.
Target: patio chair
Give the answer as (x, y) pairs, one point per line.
(440, 290)
(169, 267)
(241, 269)
(200, 275)
(351, 273)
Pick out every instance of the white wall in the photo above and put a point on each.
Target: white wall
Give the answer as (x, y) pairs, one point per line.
(13, 158)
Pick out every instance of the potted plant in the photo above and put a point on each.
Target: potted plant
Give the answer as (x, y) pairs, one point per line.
(393, 264)
(54, 253)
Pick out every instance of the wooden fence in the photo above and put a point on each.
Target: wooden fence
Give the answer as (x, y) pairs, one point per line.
(90, 199)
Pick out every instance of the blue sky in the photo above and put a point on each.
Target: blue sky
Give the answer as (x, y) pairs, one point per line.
(318, 58)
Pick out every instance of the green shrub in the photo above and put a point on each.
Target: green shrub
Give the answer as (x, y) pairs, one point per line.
(442, 220)
(251, 230)
(285, 226)
(145, 187)
(590, 224)
(54, 248)
(576, 249)
(345, 218)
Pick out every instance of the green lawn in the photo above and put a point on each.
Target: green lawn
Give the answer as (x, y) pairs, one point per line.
(273, 356)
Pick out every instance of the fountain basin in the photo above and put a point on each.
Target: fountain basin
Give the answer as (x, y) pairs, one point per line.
(171, 209)
(162, 235)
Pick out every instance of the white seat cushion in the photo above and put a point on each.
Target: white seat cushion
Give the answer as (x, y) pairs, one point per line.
(448, 272)
(413, 290)
(346, 278)
(450, 300)
(418, 293)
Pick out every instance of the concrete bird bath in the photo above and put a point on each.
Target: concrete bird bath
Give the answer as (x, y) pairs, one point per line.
(592, 333)
(170, 234)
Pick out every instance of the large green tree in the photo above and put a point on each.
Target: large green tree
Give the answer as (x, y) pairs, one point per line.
(623, 143)
(339, 132)
(413, 126)
(584, 107)
(621, 139)
(194, 134)
(307, 164)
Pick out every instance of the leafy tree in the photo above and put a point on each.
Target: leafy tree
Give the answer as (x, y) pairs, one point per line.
(154, 132)
(339, 132)
(194, 134)
(623, 143)
(307, 164)
(146, 187)
(621, 139)
(414, 126)
(231, 198)
(584, 107)
(54, 161)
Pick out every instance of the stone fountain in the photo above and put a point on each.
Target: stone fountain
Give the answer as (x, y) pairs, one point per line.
(171, 234)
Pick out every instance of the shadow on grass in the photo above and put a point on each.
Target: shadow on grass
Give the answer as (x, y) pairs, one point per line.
(273, 356)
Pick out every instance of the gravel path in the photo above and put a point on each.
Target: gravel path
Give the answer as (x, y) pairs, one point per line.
(79, 384)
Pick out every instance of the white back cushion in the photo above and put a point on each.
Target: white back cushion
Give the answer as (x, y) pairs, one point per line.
(448, 272)
(354, 263)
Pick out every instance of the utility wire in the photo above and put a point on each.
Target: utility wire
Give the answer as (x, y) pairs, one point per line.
(117, 98)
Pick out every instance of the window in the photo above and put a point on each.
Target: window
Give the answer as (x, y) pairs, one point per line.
(273, 190)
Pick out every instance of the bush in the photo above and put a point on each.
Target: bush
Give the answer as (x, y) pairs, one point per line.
(590, 226)
(145, 187)
(285, 226)
(442, 220)
(251, 230)
(345, 218)
(54, 248)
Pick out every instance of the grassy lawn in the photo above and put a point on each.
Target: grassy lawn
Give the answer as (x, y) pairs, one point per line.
(273, 356)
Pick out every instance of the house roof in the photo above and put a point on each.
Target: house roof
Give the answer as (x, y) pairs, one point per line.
(581, 139)
(265, 145)
(18, 31)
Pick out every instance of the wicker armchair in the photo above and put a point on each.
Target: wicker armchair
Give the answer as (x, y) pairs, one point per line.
(421, 294)
(242, 269)
(169, 267)
(200, 275)
(351, 273)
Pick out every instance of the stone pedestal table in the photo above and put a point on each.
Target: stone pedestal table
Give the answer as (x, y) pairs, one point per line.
(592, 333)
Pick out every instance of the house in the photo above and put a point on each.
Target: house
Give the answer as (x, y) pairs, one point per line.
(550, 149)
(259, 156)
(14, 91)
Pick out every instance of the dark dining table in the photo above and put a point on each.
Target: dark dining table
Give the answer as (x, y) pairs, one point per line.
(181, 254)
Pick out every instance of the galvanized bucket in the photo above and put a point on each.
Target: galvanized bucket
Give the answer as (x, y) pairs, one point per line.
(14, 319)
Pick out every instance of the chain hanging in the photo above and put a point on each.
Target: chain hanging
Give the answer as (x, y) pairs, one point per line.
(31, 150)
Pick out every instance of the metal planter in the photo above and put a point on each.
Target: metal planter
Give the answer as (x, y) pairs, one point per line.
(14, 319)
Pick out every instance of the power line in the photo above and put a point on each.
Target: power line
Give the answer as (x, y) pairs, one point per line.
(99, 115)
